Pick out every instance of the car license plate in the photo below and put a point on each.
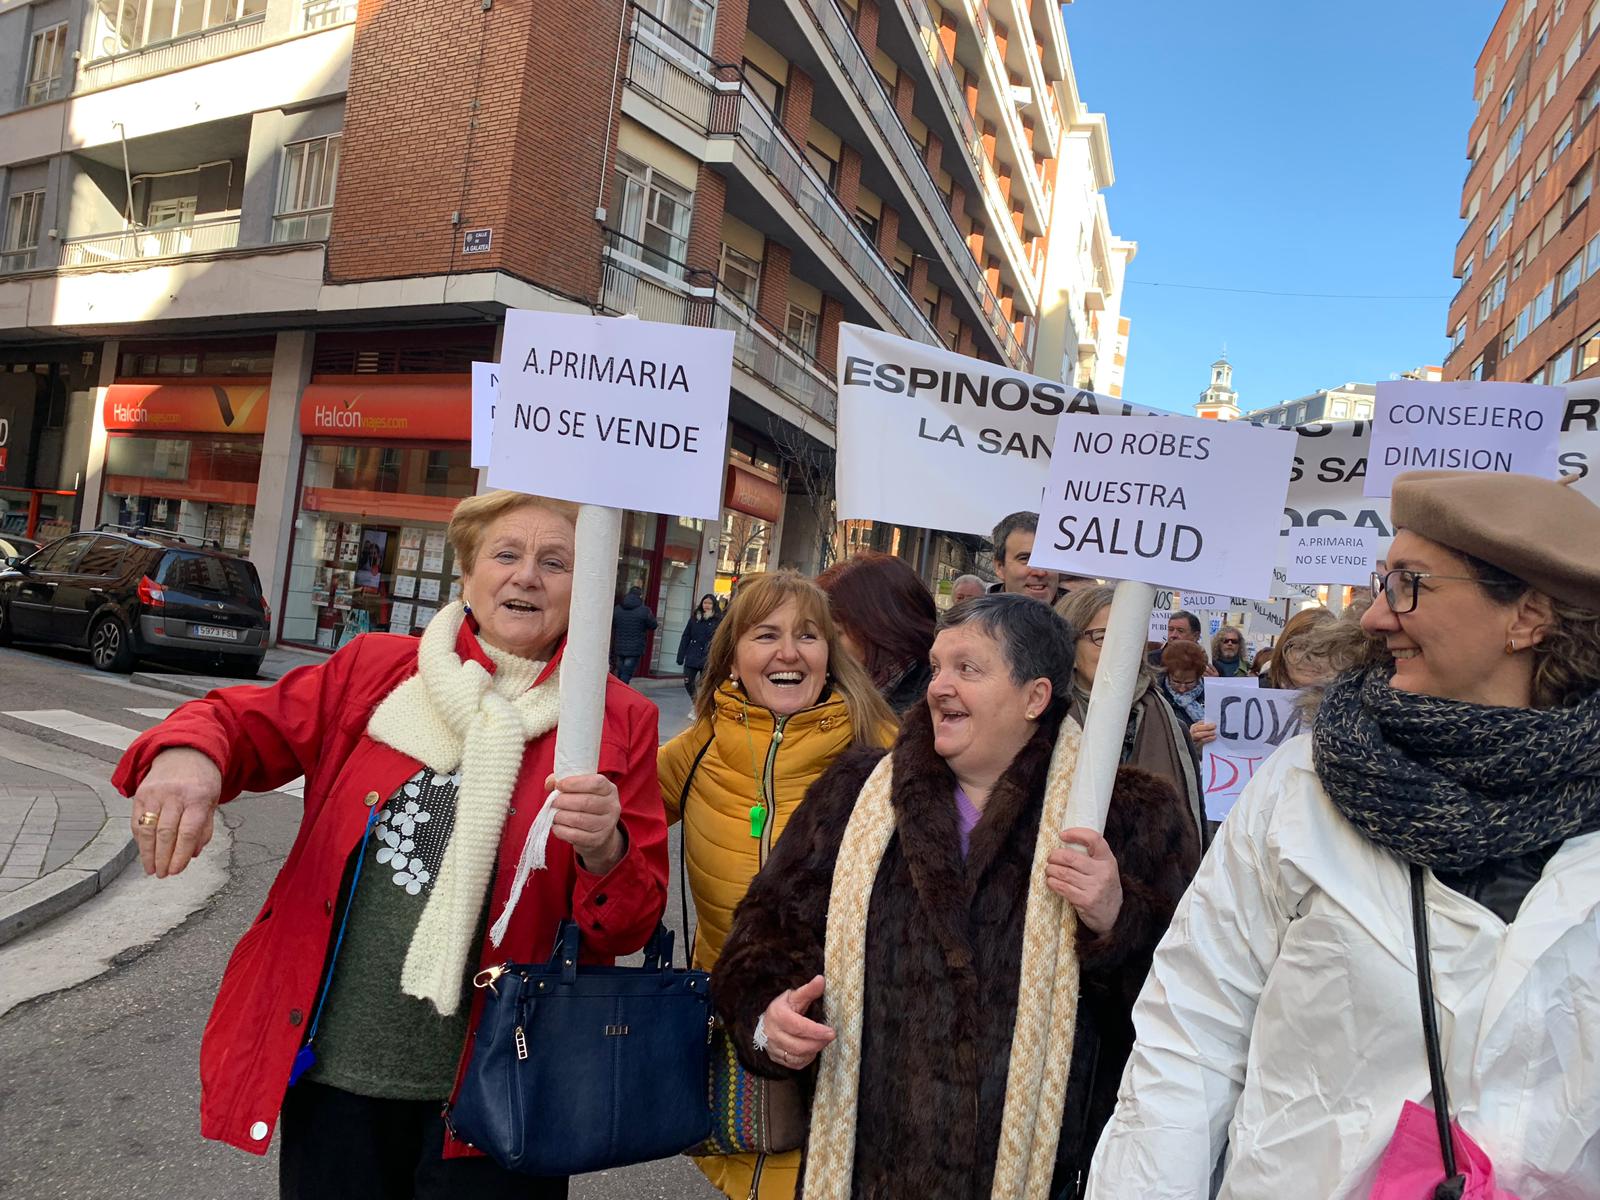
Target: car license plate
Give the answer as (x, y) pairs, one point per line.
(215, 632)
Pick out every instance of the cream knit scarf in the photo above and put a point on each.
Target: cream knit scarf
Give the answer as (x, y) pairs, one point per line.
(1047, 999)
(453, 715)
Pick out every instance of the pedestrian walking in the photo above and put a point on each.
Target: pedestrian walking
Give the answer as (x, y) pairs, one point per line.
(695, 643)
(425, 763)
(1431, 847)
(631, 621)
(1155, 740)
(901, 951)
(784, 700)
(886, 619)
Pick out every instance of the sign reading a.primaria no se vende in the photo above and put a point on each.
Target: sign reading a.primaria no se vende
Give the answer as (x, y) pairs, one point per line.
(624, 413)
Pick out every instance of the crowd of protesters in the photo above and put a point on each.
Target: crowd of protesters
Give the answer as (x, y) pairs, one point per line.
(873, 797)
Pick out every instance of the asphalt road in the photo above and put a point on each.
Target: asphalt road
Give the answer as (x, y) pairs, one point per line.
(98, 1087)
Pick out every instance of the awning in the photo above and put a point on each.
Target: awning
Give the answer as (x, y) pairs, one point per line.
(433, 408)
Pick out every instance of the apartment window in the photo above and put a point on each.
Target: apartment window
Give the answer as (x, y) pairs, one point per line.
(1560, 367)
(823, 165)
(1477, 368)
(653, 212)
(1578, 190)
(1457, 336)
(1501, 162)
(1485, 304)
(1570, 59)
(1341, 409)
(1500, 289)
(868, 224)
(1522, 321)
(1474, 205)
(1591, 258)
(1541, 38)
(1543, 302)
(23, 213)
(800, 327)
(1588, 101)
(305, 192)
(1516, 264)
(1593, 24)
(764, 87)
(1514, 142)
(1571, 277)
(1550, 83)
(1466, 270)
(740, 275)
(1508, 341)
(1588, 351)
(1552, 223)
(47, 59)
(1525, 188)
(1541, 164)
(123, 25)
(1491, 237)
(690, 19)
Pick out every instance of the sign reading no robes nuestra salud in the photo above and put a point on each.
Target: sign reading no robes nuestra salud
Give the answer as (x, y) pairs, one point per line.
(624, 413)
(1165, 500)
(928, 437)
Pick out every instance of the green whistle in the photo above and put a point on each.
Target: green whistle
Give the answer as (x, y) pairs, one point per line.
(758, 819)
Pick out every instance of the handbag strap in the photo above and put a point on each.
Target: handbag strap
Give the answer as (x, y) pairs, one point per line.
(683, 852)
(1454, 1183)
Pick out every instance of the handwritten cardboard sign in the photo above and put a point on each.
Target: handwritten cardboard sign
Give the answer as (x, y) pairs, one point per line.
(1252, 722)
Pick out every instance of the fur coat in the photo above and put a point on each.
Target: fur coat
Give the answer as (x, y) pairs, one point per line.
(943, 959)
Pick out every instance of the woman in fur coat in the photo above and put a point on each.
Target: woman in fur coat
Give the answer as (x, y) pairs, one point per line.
(948, 970)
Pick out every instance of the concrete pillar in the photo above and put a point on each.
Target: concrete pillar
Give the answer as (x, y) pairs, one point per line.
(94, 471)
(272, 532)
(261, 178)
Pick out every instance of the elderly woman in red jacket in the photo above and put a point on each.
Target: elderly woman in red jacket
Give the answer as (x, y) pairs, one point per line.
(425, 761)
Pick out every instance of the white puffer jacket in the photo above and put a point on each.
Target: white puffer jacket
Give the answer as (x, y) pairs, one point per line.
(1281, 1020)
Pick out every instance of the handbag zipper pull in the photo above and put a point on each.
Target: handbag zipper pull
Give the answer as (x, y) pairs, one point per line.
(758, 819)
(522, 1044)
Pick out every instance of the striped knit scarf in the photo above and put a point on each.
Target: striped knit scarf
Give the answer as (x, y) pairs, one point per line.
(449, 715)
(1047, 999)
(1451, 785)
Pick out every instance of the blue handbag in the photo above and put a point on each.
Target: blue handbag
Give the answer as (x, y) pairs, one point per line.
(579, 1068)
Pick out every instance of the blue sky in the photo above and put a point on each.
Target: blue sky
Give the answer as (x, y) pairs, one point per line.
(1289, 147)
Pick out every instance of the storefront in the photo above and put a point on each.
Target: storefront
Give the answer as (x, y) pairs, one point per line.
(386, 460)
(46, 410)
(185, 456)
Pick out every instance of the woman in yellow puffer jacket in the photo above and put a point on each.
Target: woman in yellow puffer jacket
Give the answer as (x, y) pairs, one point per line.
(781, 699)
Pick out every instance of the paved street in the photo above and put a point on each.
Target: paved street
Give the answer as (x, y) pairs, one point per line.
(45, 819)
(98, 1088)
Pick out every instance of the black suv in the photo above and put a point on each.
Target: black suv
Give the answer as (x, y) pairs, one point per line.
(138, 593)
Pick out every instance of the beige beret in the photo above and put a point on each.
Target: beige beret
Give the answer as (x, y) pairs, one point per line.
(1543, 532)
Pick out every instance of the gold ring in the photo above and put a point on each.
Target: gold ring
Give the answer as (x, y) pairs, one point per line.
(148, 819)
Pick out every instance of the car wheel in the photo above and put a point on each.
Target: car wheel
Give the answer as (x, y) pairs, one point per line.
(109, 646)
(5, 626)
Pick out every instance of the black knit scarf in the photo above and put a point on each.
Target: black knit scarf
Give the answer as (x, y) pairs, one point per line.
(1451, 785)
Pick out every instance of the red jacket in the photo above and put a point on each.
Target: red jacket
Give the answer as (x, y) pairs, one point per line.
(313, 722)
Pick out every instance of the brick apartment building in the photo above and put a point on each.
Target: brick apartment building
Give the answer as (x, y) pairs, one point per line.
(1528, 309)
(252, 246)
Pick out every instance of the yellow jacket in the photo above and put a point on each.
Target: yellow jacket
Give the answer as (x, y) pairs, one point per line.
(753, 757)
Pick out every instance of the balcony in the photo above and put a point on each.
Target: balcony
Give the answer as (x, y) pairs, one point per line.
(710, 96)
(137, 245)
(637, 279)
(852, 63)
(324, 14)
(1000, 81)
(158, 58)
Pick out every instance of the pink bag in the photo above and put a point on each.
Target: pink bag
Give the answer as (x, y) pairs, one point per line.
(1412, 1167)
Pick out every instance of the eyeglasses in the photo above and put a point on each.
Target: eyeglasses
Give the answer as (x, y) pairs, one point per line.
(1399, 587)
(1097, 637)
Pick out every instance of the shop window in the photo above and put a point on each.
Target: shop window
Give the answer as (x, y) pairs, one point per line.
(652, 212)
(740, 275)
(47, 59)
(370, 551)
(306, 190)
(199, 487)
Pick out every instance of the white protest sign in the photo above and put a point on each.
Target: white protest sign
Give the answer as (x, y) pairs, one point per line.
(485, 395)
(1264, 619)
(1333, 554)
(1251, 723)
(1160, 498)
(1463, 426)
(898, 461)
(1282, 589)
(1159, 618)
(621, 413)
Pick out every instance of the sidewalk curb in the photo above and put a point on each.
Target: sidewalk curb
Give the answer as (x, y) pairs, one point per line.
(86, 873)
(192, 686)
